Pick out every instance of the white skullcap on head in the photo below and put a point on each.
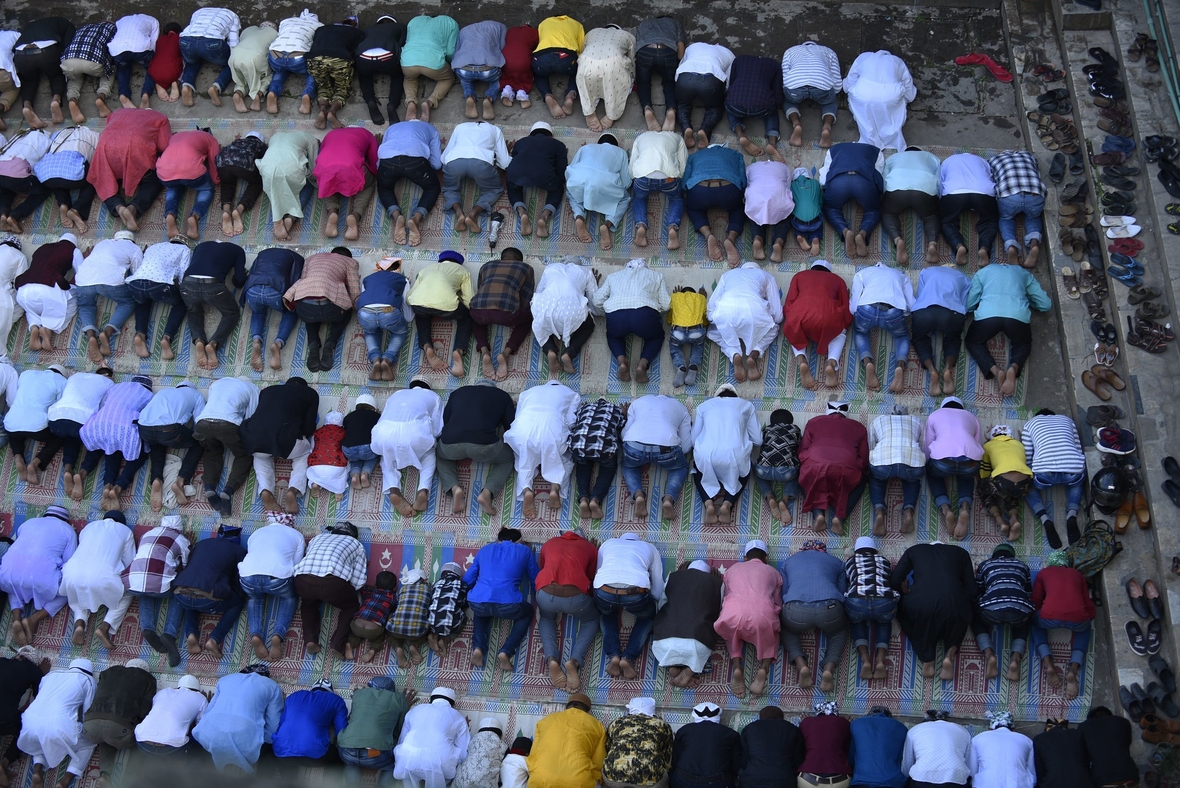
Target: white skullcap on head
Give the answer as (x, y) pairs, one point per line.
(706, 712)
(442, 692)
(865, 543)
(1000, 429)
(69, 237)
(956, 400)
(367, 399)
(124, 235)
(137, 663)
(642, 706)
(254, 134)
(824, 264)
(81, 663)
(190, 682)
(755, 544)
(700, 566)
(540, 124)
(335, 418)
(492, 723)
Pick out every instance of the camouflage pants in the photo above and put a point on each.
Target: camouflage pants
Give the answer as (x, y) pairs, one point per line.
(333, 78)
(1003, 493)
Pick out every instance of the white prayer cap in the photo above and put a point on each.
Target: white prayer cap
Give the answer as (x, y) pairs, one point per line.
(254, 134)
(824, 264)
(755, 544)
(124, 235)
(865, 543)
(83, 664)
(1000, 429)
(30, 653)
(724, 387)
(69, 237)
(706, 712)
(700, 566)
(137, 663)
(59, 369)
(171, 521)
(948, 400)
(413, 576)
(442, 693)
(642, 706)
(541, 125)
(367, 399)
(335, 418)
(190, 682)
(491, 723)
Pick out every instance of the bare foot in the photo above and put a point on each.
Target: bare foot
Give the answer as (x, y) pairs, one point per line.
(613, 668)
(55, 112)
(593, 123)
(573, 681)
(1008, 387)
(432, 358)
(749, 147)
(239, 225)
(963, 522)
(903, 256)
(596, 512)
(948, 380)
(555, 109)
(567, 364)
(624, 369)
(528, 504)
(484, 499)
(556, 674)
(725, 512)
(872, 382)
(255, 355)
(457, 364)
(739, 368)
(668, 508)
(897, 385)
(33, 119)
(400, 504)
(157, 499)
(421, 500)
(831, 377)
(753, 371)
(849, 242)
(702, 139)
(907, 521)
(825, 136)
(542, 228)
(673, 238)
(805, 377)
(399, 229)
(669, 121)
(640, 505)
(820, 523)
(983, 257)
(737, 684)
(351, 229)
(862, 249)
(928, 670)
(501, 366)
(731, 254)
(827, 680)
(690, 139)
(776, 252)
(92, 349)
(604, 239)
(79, 636)
(796, 139)
(193, 645)
(554, 502)
(291, 501)
(331, 229)
(76, 113)
(710, 513)
(581, 229)
(879, 523)
(805, 679)
(758, 685)
(276, 355)
(1013, 673)
(714, 247)
(211, 360)
(653, 124)
(948, 668)
(554, 366)
(628, 669)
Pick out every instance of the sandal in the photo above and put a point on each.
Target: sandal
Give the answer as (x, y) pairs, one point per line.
(1096, 386)
(1086, 278)
(1163, 332)
(1135, 51)
(1094, 307)
(1174, 228)
(1108, 376)
(1172, 208)
(1138, 295)
(1152, 310)
(1121, 274)
(1148, 342)
(1070, 280)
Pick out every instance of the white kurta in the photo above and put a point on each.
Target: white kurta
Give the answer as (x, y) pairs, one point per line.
(405, 436)
(31, 569)
(561, 302)
(514, 772)
(432, 743)
(333, 478)
(13, 263)
(92, 578)
(682, 651)
(879, 86)
(745, 309)
(540, 434)
(724, 431)
(606, 70)
(47, 306)
(51, 727)
(1002, 758)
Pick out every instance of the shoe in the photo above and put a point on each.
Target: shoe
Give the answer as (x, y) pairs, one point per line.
(1130, 704)
(1137, 599)
(327, 358)
(1105, 416)
(1095, 386)
(313, 359)
(1074, 190)
(1122, 517)
(1154, 637)
(1136, 639)
(1112, 440)
(1116, 221)
(1144, 701)
(170, 649)
(1072, 533)
(1159, 667)
(1138, 295)
(1172, 468)
(1152, 310)
(1121, 171)
(1163, 702)
(1116, 182)
(678, 379)
(1172, 489)
(1128, 231)
(1077, 165)
(691, 378)
(495, 222)
(1057, 168)
(1110, 378)
(1151, 593)
(375, 113)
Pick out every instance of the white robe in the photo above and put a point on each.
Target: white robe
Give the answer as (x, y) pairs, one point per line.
(514, 772)
(92, 578)
(879, 86)
(746, 308)
(561, 302)
(540, 434)
(31, 569)
(47, 306)
(51, 727)
(432, 743)
(243, 715)
(13, 263)
(724, 432)
(405, 436)
(333, 478)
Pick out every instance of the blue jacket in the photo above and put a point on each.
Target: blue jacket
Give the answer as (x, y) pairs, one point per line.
(382, 287)
(309, 718)
(813, 576)
(856, 157)
(278, 268)
(497, 571)
(213, 568)
(876, 752)
(715, 163)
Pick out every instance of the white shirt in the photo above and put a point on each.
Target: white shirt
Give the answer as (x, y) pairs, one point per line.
(109, 263)
(937, 752)
(37, 390)
(658, 152)
(273, 550)
(174, 710)
(658, 420)
(432, 743)
(700, 58)
(219, 23)
(966, 173)
(76, 139)
(1002, 758)
(634, 287)
(478, 140)
(231, 399)
(880, 284)
(8, 39)
(629, 561)
(164, 263)
(134, 33)
(514, 771)
(8, 380)
(82, 397)
(296, 32)
(180, 405)
(30, 146)
(811, 65)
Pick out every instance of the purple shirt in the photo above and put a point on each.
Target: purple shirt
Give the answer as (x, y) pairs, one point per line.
(112, 428)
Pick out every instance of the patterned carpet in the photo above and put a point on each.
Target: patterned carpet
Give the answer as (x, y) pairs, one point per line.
(434, 537)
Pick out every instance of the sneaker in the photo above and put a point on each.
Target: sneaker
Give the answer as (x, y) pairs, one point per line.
(691, 378)
(678, 380)
(1113, 440)
(494, 224)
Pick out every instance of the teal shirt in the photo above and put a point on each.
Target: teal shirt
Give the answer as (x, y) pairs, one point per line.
(1002, 290)
(430, 41)
(375, 720)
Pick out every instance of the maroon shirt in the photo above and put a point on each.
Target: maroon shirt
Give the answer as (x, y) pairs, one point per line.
(826, 738)
(49, 266)
(568, 560)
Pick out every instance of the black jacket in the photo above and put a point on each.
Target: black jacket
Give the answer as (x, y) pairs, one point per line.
(384, 35)
(1108, 746)
(50, 28)
(1061, 759)
(213, 568)
(123, 694)
(771, 753)
(477, 414)
(694, 605)
(538, 160)
(705, 754)
(335, 41)
(285, 414)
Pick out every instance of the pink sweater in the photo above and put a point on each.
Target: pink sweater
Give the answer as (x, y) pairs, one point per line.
(951, 432)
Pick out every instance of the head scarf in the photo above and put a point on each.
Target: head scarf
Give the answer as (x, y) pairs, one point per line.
(826, 707)
(383, 683)
(642, 706)
(1057, 558)
(137, 663)
(60, 512)
(815, 544)
(450, 256)
(1000, 429)
(335, 418)
(280, 518)
(1000, 719)
(700, 566)
(385, 263)
(258, 667)
(451, 566)
(30, 653)
(84, 665)
(11, 240)
(838, 406)
(706, 712)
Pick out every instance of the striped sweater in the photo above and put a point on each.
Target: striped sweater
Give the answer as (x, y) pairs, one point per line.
(1051, 445)
(1005, 584)
(868, 575)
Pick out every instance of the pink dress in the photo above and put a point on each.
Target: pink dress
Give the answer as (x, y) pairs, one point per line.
(750, 609)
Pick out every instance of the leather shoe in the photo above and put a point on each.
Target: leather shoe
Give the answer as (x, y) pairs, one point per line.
(1172, 489)
(313, 359)
(1155, 603)
(1133, 708)
(1167, 677)
(1138, 600)
(1136, 638)
(1172, 468)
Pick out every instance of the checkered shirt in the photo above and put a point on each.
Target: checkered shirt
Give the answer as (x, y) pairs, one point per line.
(69, 151)
(90, 43)
(755, 84)
(780, 446)
(161, 554)
(376, 605)
(504, 285)
(335, 555)
(411, 619)
(1015, 172)
(448, 605)
(598, 430)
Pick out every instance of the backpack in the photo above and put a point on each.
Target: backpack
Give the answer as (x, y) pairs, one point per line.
(1097, 548)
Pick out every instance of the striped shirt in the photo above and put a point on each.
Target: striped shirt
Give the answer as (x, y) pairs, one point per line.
(868, 575)
(1051, 445)
(896, 440)
(90, 43)
(215, 23)
(296, 32)
(1005, 584)
(811, 65)
(1015, 172)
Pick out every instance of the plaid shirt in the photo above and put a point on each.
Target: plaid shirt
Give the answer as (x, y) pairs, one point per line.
(755, 84)
(448, 605)
(411, 617)
(90, 43)
(504, 285)
(376, 605)
(780, 446)
(598, 430)
(896, 440)
(335, 555)
(327, 275)
(161, 554)
(1015, 172)
(242, 153)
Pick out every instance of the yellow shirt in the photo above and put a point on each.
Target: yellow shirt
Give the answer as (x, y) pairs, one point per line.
(441, 286)
(687, 310)
(1003, 455)
(560, 32)
(568, 750)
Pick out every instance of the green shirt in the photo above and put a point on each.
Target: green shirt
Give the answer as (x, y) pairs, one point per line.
(375, 720)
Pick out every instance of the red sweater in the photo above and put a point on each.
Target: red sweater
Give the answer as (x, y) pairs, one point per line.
(568, 560)
(1060, 594)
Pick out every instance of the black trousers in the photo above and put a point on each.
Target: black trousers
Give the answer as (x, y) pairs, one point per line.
(11, 188)
(229, 186)
(367, 69)
(415, 169)
(732, 497)
(425, 316)
(13, 753)
(895, 203)
(660, 60)
(18, 442)
(931, 320)
(1019, 337)
(146, 192)
(706, 89)
(315, 314)
(987, 210)
(579, 338)
(63, 190)
(158, 440)
(31, 67)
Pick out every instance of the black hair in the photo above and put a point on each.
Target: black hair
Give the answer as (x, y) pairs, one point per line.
(344, 250)
(781, 416)
(513, 254)
(757, 554)
(770, 713)
(1046, 412)
(522, 745)
(955, 405)
(577, 704)
(387, 581)
(419, 384)
(1099, 711)
(172, 27)
(728, 393)
(608, 139)
(110, 373)
(509, 535)
(912, 147)
(297, 379)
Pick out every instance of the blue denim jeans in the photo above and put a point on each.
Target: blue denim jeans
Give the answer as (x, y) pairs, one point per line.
(188, 609)
(88, 306)
(1079, 643)
(694, 337)
(863, 612)
(962, 468)
(281, 66)
(670, 458)
(174, 193)
(262, 298)
(765, 477)
(911, 483)
(845, 187)
(739, 115)
(828, 100)
(258, 588)
(888, 319)
(195, 51)
(585, 612)
(149, 609)
(1031, 205)
(123, 62)
(355, 759)
(469, 76)
(642, 606)
(361, 459)
(1074, 484)
(166, 750)
(373, 323)
(641, 188)
(519, 613)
